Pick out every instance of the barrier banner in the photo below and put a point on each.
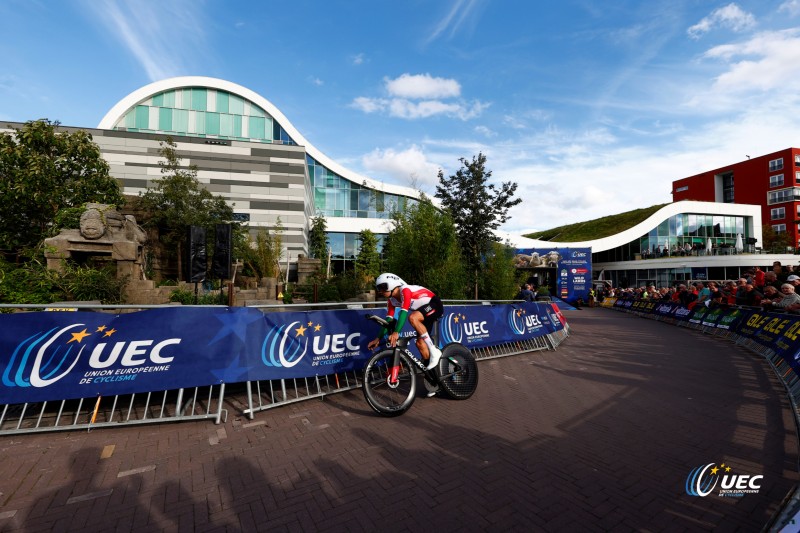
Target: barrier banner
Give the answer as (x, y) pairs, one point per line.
(778, 332)
(52, 356)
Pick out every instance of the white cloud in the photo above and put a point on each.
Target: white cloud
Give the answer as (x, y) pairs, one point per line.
(369, 105)
(767, 63)
(486, 132)
(148, 31)
(357, 59)
(416, 96)
(316, 81)
(462, 13)
(406, 167)
(422, 86)
(790, 6)
(730, 17)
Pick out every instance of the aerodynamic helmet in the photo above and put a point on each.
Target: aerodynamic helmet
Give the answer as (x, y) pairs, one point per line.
(387, 282)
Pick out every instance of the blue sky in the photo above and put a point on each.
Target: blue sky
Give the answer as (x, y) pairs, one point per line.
(593, 108)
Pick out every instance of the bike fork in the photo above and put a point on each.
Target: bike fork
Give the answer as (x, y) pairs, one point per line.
(394, 372)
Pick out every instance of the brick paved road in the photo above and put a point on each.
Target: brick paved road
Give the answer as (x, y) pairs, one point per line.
(599, 435)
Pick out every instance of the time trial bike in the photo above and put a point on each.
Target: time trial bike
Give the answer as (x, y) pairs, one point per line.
(392, 374)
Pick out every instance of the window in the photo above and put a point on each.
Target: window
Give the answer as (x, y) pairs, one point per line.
(686, 187)
(797, 177)
(776, 180)
(779, 228)
(727, 188)
(797, 160)
(783, 195)
(776, 164)
(777, 213)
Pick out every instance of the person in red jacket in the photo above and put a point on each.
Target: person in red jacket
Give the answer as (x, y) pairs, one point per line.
(420, 306)
(758, 278)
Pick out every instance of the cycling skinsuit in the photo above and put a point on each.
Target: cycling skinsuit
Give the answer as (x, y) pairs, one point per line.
(415, 298)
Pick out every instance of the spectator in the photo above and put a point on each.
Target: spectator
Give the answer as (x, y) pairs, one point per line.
(703, 292)
(741, 291)
(752, 296)
(771, 296)
(794, 280)
(758, 278)
(779, 271)
(685, 297)
(771, 278)
(525, 293)
(790, 297)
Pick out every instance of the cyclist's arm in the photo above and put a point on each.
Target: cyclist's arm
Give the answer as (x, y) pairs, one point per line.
(389, 318)
(402, 314)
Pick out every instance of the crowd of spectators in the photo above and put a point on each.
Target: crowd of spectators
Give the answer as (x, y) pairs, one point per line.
(777, 289)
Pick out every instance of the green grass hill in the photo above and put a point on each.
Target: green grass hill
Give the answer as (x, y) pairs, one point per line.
(597, 228)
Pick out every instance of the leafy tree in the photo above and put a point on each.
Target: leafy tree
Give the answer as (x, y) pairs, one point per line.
(318, 238)
(368, 260)
(422, 248)
(477, 208)
(265, 252)
(43, 170)
(498, 278)
(178, 201)
(774, 241)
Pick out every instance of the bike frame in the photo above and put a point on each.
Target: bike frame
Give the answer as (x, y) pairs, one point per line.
(431, 376)
(402, 347)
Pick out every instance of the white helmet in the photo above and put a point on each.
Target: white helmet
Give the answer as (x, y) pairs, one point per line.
(388, 282)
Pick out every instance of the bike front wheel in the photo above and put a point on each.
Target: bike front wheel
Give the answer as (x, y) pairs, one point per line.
(389, 398)
(458, 371)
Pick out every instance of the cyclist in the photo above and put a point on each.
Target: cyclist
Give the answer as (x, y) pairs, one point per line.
(414, 303)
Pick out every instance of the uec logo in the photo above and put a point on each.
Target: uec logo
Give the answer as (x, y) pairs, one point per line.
(290, 345)
(475, 328)
(703, 479)
(46, 363)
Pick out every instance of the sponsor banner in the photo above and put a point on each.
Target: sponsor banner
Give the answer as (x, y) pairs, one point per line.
(573, 268)
(776, 331)
(53, 356)
(779, 332)
(665, 309)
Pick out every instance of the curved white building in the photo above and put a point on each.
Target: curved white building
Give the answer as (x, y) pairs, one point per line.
(247, 151)
(654, 251)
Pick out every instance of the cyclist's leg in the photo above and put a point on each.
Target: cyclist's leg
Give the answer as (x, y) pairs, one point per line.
(429, 314)
(417, 321)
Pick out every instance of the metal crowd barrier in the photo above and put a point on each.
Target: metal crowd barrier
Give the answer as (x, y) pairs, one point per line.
(113, 411)
(209, 402)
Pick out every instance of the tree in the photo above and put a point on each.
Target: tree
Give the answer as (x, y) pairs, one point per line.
(368, 260)
(776, 242)
(318, 238)
(43, 170)
(264, 254)
(422, 248)
(477, 208)
(498, 279)
(178, 201)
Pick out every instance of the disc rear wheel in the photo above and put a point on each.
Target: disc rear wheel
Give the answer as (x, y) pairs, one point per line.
(386, 397)
(459, 371)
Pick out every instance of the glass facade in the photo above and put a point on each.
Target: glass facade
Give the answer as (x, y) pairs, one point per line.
(335, 196)
(204, 112)
(678, 231)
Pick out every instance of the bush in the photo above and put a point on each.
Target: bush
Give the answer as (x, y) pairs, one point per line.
(185, 297)
(32, 283)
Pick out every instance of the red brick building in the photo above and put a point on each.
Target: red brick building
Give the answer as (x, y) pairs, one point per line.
(771, 181)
